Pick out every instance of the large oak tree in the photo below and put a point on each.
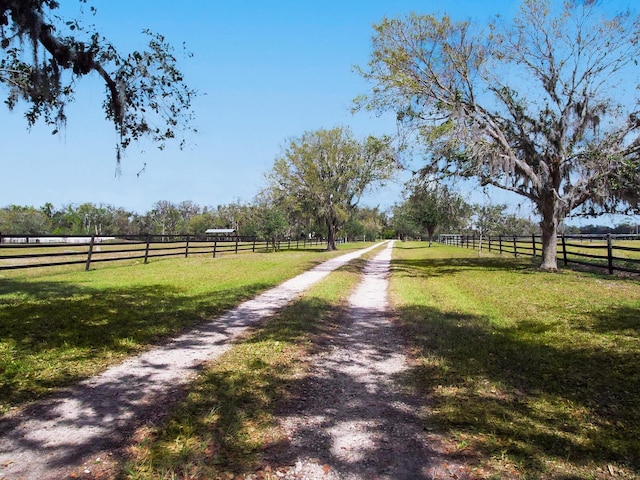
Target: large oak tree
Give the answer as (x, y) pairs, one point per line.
(42, 55)
(325, 173)
(544, 106)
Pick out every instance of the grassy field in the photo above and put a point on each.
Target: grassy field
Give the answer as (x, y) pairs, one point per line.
(20, 255)
(59, 325)
(528, 374)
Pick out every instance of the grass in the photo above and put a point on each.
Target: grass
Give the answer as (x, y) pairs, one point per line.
(60, 325)
(223, 426)
(528, 374)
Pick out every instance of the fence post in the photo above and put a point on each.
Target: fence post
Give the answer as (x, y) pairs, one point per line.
(146, 250)
(88, 265)
(500, 243)
(253, 249)
(610, 254)
(237, 244)
(186, 248)
(564, 251)
(533, 242)
(215, 246)
(515, 247)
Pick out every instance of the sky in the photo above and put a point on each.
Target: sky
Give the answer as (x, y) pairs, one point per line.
(266, 70)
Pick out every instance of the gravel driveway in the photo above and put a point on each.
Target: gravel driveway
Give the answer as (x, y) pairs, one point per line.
(354, 417)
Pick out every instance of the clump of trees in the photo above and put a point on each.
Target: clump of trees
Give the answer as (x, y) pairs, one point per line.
(429, 208)
(544, 106)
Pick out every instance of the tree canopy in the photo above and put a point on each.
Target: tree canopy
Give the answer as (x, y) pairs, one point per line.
(428, 208)
(42, 55)
(325, 173)
(545, 106)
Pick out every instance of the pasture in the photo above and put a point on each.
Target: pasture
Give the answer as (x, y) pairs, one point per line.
(525, 374)
(529, 374)
(59, 324)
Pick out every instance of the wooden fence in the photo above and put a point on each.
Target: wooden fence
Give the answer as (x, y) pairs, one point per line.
(610, 252)
(26, 251)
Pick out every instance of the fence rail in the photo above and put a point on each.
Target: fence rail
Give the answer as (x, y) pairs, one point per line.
(27, 251)
(610, 252)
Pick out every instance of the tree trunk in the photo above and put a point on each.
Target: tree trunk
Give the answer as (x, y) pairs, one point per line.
(331, 235)
(549, 226)
(430, 232)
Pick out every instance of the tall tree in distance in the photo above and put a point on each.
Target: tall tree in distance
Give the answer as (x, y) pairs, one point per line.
(42, 55)
(545, 106)
(432, 207)
(326, 172)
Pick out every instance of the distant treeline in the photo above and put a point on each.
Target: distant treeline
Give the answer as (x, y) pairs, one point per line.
(248, 219)
(620, 229)
(167, 218)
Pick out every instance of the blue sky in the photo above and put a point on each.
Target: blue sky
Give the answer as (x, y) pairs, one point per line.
(268, 70)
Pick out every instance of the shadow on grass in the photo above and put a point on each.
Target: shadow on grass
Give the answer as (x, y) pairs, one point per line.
(55, 333)
(436, 267)
(509, 391)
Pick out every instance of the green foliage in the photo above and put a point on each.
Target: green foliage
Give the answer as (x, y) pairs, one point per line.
(324, 174)
(24, 220)
(42, 56)
(271, 225)
(366, 223)
(430, 207)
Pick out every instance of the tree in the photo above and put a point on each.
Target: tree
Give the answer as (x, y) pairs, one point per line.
(326, 172)
(23, 220)
(489, 219)
(373, 221)
(42, 55)
(271, 224)
(166, 218)
(403, 224)
(431, 207)
(531, 107)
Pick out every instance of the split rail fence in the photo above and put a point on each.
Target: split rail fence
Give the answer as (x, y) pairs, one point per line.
(25, 251)
(610, 252)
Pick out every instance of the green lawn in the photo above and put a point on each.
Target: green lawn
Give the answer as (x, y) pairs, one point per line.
(528, 374)
(59, 325)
